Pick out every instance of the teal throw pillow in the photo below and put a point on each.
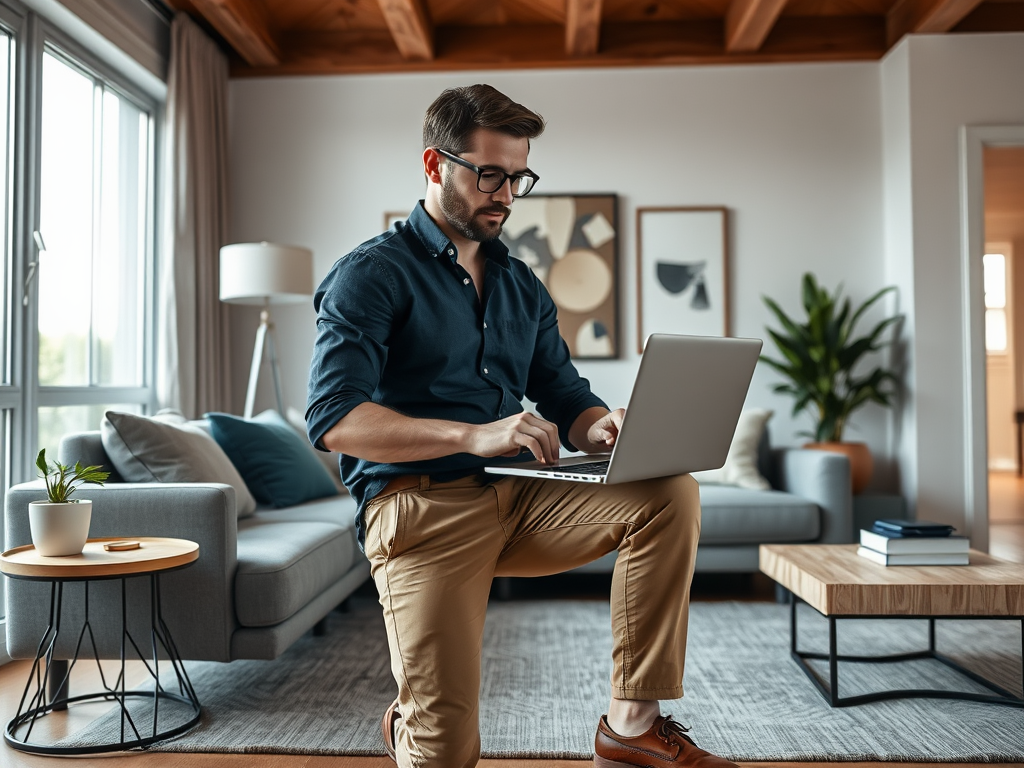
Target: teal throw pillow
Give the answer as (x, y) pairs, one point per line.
(274, 462)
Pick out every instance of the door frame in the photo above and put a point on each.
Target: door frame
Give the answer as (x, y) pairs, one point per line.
(973, 140)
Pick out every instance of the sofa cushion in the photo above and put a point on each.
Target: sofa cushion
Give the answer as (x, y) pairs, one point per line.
(741, 465)
(166, 449)
(732, 515)
(284, 565)
(276, 466)
(336, 510)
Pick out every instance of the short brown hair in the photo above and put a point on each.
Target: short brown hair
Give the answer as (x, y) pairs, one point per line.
(455, 114)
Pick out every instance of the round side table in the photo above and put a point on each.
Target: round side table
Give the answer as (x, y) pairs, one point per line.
(154, 557)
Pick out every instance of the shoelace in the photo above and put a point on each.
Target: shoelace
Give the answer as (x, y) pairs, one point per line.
(671, 731)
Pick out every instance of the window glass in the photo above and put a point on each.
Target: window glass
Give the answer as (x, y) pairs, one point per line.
(93, 219)
(56, 422)
(994, 268)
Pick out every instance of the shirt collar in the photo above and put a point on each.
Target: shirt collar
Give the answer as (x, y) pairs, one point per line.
(438, 244)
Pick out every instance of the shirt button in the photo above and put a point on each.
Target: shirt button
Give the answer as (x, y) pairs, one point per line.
(451, 252)
(485, 325)
(486, 371)
(466, 281)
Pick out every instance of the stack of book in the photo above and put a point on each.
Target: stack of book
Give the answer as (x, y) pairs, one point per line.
(918, 542)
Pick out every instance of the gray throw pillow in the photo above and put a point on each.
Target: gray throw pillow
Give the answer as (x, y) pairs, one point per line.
(166, 449)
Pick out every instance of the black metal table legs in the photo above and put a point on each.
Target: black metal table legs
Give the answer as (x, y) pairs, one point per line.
(830, 690)
(51, 676)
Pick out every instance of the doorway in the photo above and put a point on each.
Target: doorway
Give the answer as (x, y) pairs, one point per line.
(1003, 279)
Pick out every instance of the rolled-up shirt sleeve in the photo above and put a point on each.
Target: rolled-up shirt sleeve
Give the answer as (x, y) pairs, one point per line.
(355, 307)
(554, 384)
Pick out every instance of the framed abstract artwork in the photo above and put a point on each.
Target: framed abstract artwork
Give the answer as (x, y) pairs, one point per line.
(571, 244)
(392, 217)
(682, 271)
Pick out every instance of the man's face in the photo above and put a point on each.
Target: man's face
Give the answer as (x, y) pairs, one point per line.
(474, 214)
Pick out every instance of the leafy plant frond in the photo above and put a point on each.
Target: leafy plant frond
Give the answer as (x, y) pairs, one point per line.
(62, 481)
(820, 354)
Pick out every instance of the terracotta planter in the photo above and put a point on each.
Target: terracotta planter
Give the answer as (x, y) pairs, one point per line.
(860, 461)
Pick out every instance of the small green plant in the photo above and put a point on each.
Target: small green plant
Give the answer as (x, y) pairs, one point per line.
(62, 481)
(820, 355)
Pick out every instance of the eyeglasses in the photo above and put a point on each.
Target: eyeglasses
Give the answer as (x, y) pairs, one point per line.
(489, 180)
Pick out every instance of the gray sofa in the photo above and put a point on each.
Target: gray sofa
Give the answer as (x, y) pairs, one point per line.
(262, 581)
(259, 583)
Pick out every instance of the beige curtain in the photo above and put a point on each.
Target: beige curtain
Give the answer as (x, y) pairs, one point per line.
(193, 362)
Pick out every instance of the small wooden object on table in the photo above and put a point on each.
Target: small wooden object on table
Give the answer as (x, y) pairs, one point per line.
(839, 584)
(152, 557)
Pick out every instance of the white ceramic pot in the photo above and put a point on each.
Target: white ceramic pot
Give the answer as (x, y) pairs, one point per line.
(61, 529)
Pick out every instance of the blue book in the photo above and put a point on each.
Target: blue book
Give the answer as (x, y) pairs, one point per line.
(909, 528)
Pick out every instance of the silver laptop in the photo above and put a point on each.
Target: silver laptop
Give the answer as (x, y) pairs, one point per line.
(681, 416)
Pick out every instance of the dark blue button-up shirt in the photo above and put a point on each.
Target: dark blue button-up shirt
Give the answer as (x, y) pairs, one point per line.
(399, 323)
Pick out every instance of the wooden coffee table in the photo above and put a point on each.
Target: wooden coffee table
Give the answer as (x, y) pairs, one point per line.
(49, 694)
(840, 584)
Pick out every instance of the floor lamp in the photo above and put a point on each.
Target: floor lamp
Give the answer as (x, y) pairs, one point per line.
(261, 274)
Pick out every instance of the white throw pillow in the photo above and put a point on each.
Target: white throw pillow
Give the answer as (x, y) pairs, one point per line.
(741, 464)
(167, 449)
(329, 460)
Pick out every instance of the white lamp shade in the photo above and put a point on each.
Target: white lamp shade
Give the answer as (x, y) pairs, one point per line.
(257, 273)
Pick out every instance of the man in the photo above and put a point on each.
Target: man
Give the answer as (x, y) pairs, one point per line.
(429, 337)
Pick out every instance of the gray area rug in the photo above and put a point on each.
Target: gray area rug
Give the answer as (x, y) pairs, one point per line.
(546, 682)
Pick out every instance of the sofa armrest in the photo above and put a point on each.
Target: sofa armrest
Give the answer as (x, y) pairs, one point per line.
(821, 477)
(197, 601)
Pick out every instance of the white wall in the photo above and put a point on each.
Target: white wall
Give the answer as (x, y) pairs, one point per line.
(954, 80)
(795, 152)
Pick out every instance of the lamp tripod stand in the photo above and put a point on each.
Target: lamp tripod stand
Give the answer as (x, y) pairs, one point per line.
(264, 338)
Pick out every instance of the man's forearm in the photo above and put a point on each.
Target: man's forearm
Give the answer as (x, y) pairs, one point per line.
(579, 429)
(375, 433)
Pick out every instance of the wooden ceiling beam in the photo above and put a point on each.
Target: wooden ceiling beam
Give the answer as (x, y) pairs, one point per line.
(646, 43)
(410, 27)
(925, 16)
(748, 22)
(582, 27)
(245, 27)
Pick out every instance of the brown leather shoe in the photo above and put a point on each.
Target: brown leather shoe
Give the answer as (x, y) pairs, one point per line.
(387, 728)
(664, 744)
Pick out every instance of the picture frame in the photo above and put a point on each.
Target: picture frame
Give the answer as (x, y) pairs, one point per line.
(682, 271)
(571, 241)
(393, 217)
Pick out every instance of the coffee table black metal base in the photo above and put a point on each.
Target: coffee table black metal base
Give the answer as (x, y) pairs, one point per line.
(831, 690)
(51, 682)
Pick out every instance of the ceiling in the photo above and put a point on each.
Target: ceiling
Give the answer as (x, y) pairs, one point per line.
(292, 37)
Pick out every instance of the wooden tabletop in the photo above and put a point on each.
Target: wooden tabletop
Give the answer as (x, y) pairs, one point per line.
(154, 554)
(835, 580)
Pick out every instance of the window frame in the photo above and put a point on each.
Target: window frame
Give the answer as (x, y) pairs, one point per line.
(50, 39)
(20, 394)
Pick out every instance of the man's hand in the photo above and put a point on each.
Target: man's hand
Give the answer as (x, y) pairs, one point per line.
(605, 431)
(508, 436)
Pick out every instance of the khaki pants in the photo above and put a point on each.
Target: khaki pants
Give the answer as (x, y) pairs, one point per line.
(435, 548)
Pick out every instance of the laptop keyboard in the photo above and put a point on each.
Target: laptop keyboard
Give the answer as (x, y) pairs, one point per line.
(589, 468)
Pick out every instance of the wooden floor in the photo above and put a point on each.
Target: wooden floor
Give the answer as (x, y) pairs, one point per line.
(1006, 493)
(1006, 516)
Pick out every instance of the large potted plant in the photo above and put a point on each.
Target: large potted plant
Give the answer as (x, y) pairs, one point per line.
(60, 525)
(819, 358)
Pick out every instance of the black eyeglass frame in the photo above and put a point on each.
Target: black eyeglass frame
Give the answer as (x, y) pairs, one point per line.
(527, 174)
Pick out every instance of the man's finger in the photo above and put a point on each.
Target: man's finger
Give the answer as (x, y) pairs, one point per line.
(549, 432)
(539, 434)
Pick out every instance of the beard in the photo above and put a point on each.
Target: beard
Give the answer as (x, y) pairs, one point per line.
(458, 212)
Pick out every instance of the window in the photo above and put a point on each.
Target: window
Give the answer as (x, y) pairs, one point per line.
(994, 267)
(77, 237)
(95, 225)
